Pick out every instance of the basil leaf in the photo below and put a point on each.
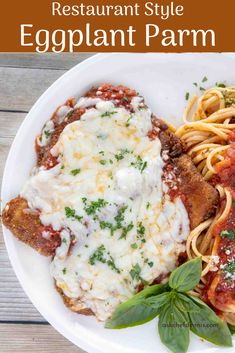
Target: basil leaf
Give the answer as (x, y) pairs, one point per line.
(185, 303)
(231, 329)
(150, 291)
(159, 300)
(136, 311)
(173, 328)
(187, 276)
(206, 324)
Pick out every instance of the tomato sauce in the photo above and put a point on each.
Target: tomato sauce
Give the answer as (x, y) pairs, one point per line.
(223, 280)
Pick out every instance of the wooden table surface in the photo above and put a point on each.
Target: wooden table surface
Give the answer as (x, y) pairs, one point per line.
(23, 78)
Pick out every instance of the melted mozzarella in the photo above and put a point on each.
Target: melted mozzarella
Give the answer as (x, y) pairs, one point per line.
(107, 193)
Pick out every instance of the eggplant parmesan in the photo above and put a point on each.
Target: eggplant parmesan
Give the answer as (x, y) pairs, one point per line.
(112, 199)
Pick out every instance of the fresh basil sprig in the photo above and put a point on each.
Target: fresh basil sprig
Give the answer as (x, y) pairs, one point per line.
(187, 276)
(178, 311)
(137, 310)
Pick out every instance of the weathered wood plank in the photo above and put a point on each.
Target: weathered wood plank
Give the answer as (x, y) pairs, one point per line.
(20, 88)
(9, 124)
(42, 61)
(33, 338)
(14, 304)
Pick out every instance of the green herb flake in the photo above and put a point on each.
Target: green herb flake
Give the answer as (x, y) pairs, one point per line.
(99, 255)
(230, 267)
(229, 234)
(195, 84)
(126, 230)
(126, 99)
(108, 114)
(221, 85)
(128, 121)
(204, 79)
(187, 96)
(64, 241)
(134, 246)
(75, 172)
(47, 133)
(71, 213)
(139, 164)
(94, 206)
(140, 229)
(120, 155)
(135, 272)
(103, 162)
(64, 270)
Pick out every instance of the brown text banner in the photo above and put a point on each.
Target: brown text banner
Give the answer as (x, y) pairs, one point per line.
(116, 25)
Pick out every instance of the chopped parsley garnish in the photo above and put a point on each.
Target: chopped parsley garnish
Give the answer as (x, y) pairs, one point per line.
(141, 232)
(64, 240)
(126, 230)
(71, 213)
(108, 114)
(47, 133)
(99, 255)
(94, 206)
(64, 270)
(230, 267)
(119, 218)
(110, 175)
(75, 172)
(101, 152)
(195, 84)
(187, 96)
(111, 264)
(229, 234)
(126, 99)
(103, 161)
(128, 121)
(139, 164)
(140, 229)
(135, 272)
(118, 224)
(107, 225)
(150, 264)
(221, 85)
(202, 89)
(120, 155)
(148, 205)
(62, 167)
(134, 246)
(204, 79)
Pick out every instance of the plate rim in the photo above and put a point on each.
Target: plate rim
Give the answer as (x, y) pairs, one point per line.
(80, 342)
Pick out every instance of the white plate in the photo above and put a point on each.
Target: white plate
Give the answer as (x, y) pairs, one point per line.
(163, 79)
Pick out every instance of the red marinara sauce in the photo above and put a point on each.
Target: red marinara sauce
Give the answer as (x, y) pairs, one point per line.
(222, 282)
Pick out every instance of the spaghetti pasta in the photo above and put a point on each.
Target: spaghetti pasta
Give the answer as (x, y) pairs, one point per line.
(207, 133)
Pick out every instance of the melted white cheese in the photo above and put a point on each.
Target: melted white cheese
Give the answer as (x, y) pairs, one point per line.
(107, 192)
